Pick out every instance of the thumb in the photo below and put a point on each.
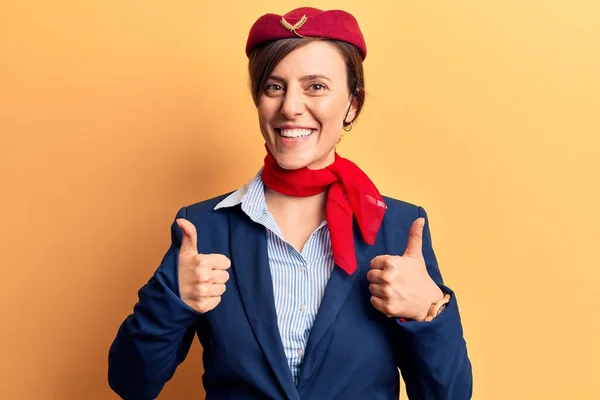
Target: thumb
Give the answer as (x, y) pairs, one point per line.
(414, 247)
(189, 242)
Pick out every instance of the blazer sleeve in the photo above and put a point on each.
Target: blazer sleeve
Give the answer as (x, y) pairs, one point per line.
(432, 356)
(156, 338)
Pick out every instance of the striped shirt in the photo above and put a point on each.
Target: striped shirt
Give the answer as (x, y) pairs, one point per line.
(299, 278)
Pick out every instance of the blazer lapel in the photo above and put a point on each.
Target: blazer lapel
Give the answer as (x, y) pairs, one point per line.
(251, 266)
(338, 287)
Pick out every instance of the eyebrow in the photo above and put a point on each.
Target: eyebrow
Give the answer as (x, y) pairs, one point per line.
(303, 78)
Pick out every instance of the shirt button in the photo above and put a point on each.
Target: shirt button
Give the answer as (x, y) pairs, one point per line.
(303, 269)
(302, 307)
(300, 352)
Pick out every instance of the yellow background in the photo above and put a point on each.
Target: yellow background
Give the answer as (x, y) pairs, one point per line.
(113, 114)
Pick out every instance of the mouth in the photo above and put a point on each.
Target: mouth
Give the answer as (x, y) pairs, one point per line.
(294, 133)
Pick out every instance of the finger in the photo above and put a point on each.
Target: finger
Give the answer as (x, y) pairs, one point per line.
(218, 289)
(189, 242)
(208, 263)
(375, 276)
(414, 247)
(202, 274)
(208, 303)
(380, 262)
(215, 261)
(379, 304)
(377, 290)
(219, 276)
(209, 290)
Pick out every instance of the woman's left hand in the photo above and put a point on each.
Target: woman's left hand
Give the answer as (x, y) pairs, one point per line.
(400, 285)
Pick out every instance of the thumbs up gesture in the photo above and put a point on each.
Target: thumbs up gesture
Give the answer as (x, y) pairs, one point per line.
(400, 285)
(202, 277)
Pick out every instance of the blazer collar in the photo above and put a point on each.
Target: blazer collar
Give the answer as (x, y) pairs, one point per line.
(250, 263)
(336, 292)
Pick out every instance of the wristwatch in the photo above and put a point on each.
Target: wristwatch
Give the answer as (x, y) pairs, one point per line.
(437, 307)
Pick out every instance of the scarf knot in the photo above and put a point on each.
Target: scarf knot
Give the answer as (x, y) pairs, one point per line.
(350, 194)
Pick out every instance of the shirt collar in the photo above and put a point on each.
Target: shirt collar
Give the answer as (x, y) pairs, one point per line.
(251, 196)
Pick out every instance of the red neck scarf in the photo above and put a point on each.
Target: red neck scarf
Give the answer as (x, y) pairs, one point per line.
(351, 192)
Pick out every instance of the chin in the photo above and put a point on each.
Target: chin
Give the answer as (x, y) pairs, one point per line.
(292, 162)
(309, 155)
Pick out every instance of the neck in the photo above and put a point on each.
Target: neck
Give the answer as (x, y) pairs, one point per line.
(309, 208)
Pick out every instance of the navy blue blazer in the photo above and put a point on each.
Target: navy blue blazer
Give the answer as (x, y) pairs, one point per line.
(353, 351)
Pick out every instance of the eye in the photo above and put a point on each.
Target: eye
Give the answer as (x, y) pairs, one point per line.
(317, 87)
(273, 87)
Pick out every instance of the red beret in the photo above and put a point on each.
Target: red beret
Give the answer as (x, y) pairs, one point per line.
(307, 22)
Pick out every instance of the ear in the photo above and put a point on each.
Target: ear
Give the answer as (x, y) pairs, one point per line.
(353, 108)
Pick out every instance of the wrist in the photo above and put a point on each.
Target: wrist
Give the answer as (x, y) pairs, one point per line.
(435, 296)
(437, 307)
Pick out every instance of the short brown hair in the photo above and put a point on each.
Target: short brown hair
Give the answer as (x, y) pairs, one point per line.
(264, 59)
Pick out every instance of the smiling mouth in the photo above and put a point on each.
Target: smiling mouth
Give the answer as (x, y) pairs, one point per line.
(295, 133)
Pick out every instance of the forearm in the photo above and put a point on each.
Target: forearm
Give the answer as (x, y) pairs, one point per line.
(154, 340)
(433, 358)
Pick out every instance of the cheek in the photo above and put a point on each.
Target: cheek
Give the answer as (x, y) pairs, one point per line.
(329, 111)
(266, 108)
(262, 118)
(262, 114)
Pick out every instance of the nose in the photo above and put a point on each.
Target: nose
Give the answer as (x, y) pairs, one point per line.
(293, 103)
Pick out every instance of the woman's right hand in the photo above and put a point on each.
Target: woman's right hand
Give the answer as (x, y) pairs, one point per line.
(202, 277)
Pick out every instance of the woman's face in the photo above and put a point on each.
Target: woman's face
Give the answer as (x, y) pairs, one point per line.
(303, 105)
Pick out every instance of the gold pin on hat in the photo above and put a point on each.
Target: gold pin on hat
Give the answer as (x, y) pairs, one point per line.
(295, 27)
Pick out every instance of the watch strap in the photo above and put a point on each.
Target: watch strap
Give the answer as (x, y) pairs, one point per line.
(437, 307)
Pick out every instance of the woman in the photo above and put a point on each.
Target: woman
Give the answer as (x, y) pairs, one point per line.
(306, 283)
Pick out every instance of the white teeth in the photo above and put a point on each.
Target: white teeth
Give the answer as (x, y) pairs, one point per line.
(295, 133)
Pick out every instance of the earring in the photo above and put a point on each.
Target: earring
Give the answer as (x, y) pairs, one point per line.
(351, 126)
